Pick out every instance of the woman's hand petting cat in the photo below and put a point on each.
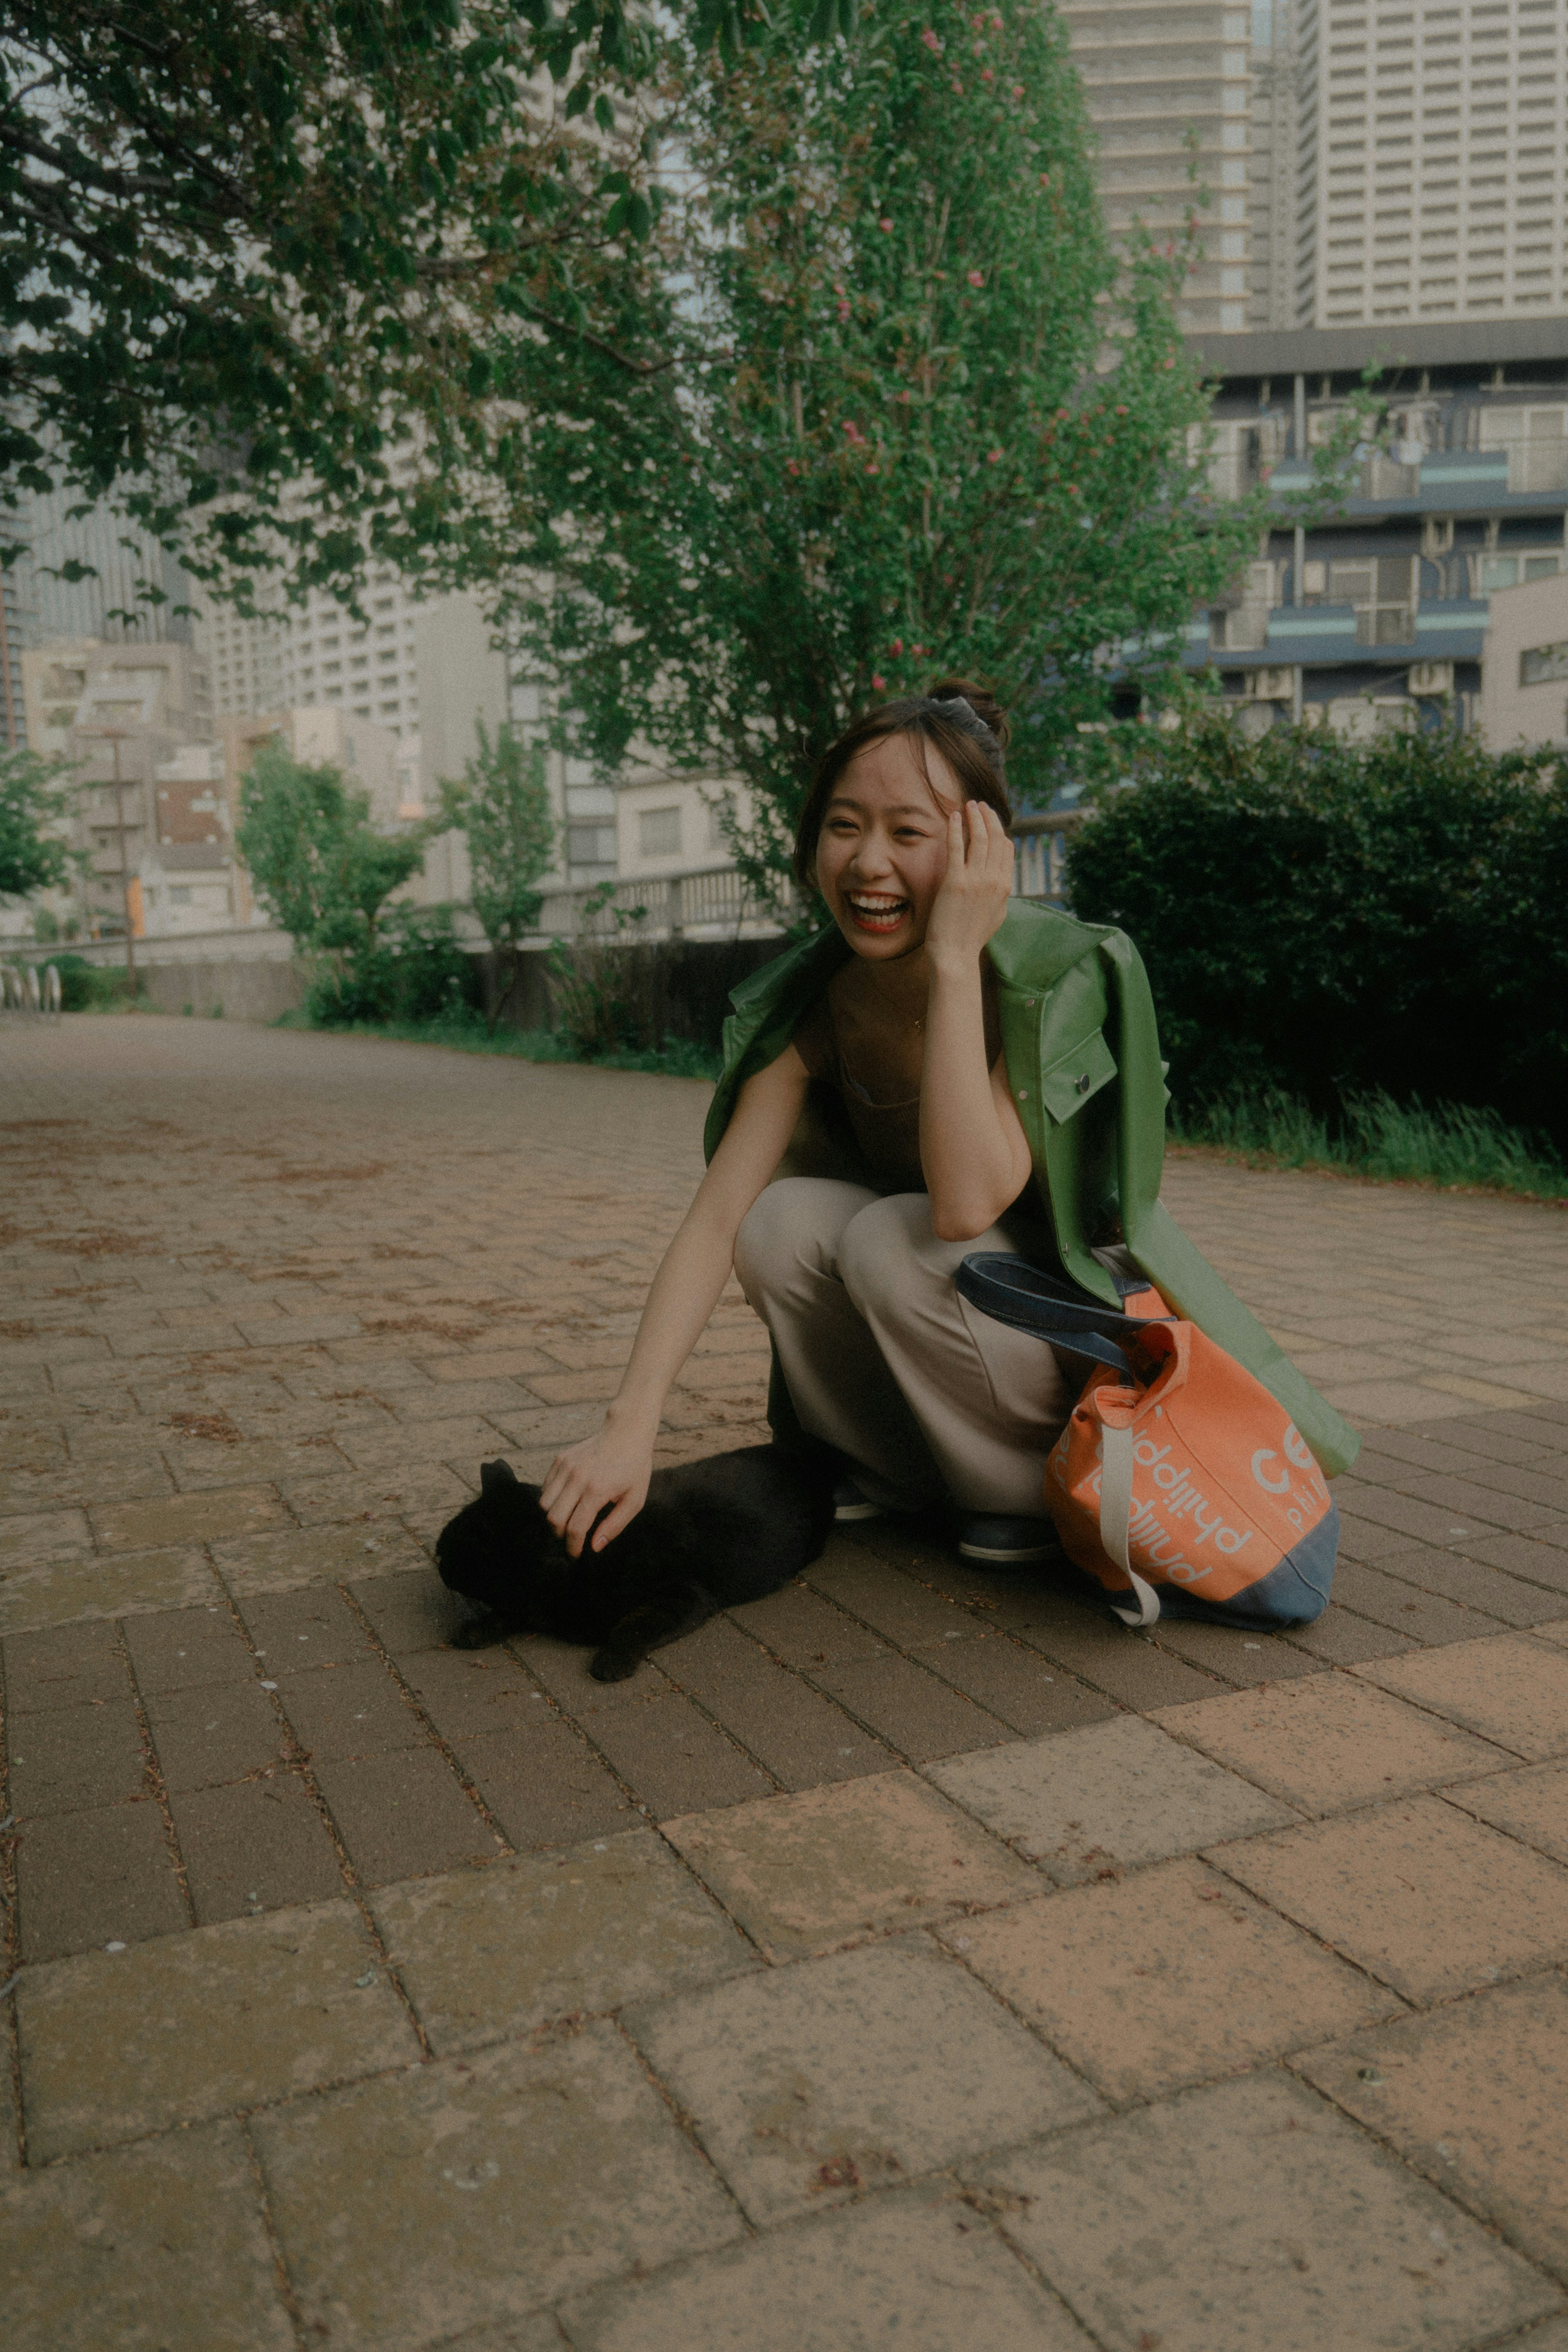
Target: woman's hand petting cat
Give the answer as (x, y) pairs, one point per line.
(613, 1466)
(971, 902)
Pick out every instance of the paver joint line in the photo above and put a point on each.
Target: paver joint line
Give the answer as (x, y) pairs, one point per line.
(819, 1809)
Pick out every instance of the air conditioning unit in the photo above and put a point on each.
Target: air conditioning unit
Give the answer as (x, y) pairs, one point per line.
(1269, 686)
(1431, 677)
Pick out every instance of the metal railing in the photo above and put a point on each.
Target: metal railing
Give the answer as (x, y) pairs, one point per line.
(1042, 844)
(708, 902)
(718, 901)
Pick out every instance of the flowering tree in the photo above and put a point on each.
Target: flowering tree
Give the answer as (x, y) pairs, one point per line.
(911, 416)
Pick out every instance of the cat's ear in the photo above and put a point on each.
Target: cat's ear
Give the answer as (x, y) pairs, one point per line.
(495, 1477)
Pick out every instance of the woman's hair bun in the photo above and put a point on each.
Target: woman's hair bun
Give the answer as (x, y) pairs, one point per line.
(980, 700)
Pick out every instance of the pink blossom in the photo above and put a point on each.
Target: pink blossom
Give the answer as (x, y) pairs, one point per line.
(874, 467)
(996, 23)
(986, 74)
(1018, 89)
(878, 682)
(1169, 364)
(931, 41)
(885, 224)
(791, 467)
(853, 435)
(1045, 176)
(1121, 411)
(995, 459)
(920, 652)
(843, 312)
(975, 276)
(896, 646)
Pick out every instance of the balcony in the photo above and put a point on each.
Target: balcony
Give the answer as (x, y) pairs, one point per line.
(1322, 636)
(1530, 477)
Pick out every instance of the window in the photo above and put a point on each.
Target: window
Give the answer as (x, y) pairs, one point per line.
(720, 815)
(659, 832)
(179, 896)
(1382, 588)
(1536, 441)
(590, 844)
(1541, 663)
(1508, 570)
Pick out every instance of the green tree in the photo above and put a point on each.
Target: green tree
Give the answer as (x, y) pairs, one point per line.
(917, 417)
(319, 864)
(250, 245)
(503, 806)
(34, 799)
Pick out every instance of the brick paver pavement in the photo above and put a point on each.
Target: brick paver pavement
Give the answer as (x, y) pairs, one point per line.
(916, 1957)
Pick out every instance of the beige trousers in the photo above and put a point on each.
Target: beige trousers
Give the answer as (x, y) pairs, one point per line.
(884, 1358)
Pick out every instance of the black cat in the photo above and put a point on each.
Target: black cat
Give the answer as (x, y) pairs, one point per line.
(711, 1534)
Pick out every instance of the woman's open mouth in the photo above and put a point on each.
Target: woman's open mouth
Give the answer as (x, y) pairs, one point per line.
(875, 910)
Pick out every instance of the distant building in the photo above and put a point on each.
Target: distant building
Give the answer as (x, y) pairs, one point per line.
(1364, 168)
(1377, 616)
(1169, 88)
(1524, 672)
(130, 590)
(109, 708)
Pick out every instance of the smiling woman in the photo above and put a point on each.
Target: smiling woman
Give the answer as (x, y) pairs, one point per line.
(991, 1081)
(903, 834)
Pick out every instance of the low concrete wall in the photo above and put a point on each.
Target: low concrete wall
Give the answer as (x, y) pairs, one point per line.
(681, 986)
(684, 985)
(251, 991)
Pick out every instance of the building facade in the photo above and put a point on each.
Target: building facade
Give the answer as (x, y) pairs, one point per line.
(1170, 93)
(1524, 672)
(1366, 164)
(123, 716)
(1375, 616)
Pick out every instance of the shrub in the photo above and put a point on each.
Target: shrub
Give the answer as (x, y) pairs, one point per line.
(414, 969)
(1338, 919)
(1372, 1135)
(90, 988)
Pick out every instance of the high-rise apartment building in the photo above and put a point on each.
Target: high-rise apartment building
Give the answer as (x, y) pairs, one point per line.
(1369, 163)
(317, 653)
(1431, 178)
(1169, 90)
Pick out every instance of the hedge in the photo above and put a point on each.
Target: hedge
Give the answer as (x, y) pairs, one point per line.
(1336, 918)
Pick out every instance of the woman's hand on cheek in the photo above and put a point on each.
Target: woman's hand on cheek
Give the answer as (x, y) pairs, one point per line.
(971, 902)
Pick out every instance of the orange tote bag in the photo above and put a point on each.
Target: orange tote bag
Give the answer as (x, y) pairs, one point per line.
(1179, 1484)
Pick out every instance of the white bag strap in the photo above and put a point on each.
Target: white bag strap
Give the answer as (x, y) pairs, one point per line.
(1115, 1517)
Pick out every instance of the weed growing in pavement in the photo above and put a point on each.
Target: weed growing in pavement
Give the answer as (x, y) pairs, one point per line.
(1447, 1145)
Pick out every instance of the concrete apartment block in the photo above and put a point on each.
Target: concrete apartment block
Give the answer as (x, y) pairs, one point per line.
(1524, 676)
(1375, 617)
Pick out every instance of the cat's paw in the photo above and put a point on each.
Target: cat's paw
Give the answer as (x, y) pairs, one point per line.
(478, 1633)
(613, 1665)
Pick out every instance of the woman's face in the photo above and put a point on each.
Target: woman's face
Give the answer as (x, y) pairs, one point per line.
(883, 849)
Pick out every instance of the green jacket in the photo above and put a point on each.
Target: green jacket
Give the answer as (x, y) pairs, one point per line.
(1083, 1061)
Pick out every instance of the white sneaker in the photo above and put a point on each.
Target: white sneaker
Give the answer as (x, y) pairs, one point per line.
(851, 1503)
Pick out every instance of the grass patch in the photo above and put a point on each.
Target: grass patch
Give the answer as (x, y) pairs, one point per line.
(1450, 1146)
(678, 1057)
